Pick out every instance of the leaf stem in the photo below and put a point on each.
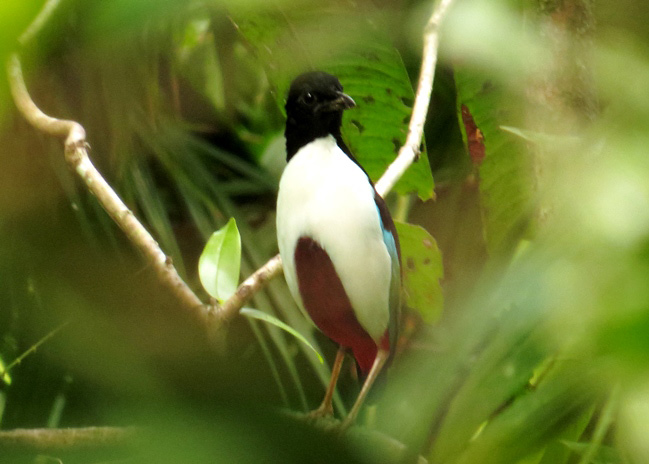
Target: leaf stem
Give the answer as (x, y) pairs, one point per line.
(32, 349)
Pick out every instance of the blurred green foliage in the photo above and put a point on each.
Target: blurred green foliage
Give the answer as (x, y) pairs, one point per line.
(542, 219)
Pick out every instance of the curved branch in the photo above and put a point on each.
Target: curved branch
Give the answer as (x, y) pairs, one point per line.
(249, 287)
(409, 152)
(41, 18)
(76, 155)
(72, 131)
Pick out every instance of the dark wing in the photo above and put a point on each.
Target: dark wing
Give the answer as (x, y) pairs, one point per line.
(391, 240)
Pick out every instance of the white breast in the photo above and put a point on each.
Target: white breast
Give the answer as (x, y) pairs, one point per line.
(324, 195)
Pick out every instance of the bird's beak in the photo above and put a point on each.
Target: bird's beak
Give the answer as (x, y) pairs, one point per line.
(341, 102)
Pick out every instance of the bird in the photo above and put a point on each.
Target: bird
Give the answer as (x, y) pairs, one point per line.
(337, 240)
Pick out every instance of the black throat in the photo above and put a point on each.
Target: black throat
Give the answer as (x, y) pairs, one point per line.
(300, 133)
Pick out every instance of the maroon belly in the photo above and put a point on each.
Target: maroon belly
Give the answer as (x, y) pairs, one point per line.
(327, 303)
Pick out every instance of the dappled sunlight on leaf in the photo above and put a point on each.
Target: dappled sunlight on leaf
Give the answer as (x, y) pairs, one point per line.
(422, 271)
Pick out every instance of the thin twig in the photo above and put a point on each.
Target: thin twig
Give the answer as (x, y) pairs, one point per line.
(249, 287)
(32, 349)
(41, 18)
(76, 154)
(410, 150)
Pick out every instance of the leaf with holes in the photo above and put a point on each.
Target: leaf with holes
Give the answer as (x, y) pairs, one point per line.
(421, 262)
(219, 264)
(369, 67)
(377, 128)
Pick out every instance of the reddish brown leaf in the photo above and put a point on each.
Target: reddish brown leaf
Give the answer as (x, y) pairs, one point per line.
(475, 139)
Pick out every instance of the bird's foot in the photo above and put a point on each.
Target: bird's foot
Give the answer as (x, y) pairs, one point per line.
(323, 418)
(323, 411)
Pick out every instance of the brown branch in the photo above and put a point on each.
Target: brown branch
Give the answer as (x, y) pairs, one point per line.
(76, 155)
(369, 444)
(249, 287)
(44, 440)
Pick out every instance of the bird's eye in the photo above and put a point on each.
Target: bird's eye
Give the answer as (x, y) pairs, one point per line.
(308, 98)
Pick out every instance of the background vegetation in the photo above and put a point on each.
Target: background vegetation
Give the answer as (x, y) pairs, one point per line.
(536, 139)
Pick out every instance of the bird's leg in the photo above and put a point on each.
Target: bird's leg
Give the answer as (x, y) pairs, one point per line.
(379, 362)
(326, 408)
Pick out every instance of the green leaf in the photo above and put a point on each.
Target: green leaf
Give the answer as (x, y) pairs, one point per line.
(262, 316)
(556, 452)
(6, 378)
(421, 262)
(499, 375)
(219, 264)
(374, 75)
(605, 454)
(503, 163)
(555, 405)
(371, 70)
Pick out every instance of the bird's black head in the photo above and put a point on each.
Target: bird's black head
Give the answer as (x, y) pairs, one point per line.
(314, 108)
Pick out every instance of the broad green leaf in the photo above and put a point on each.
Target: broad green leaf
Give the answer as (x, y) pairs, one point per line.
(421, 263)
(556, 452)
(371, 70)
(500, 374)
(482, 359)
(536, 417)
(6, 378)
(219, 264)
(605, 454)
(262, 316)
(503, 163)
(374, 75)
